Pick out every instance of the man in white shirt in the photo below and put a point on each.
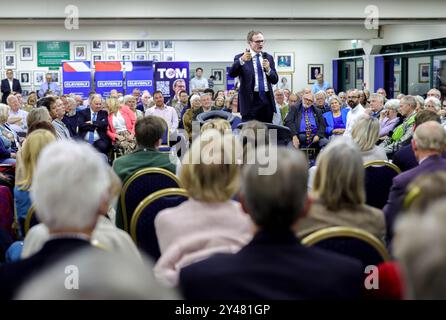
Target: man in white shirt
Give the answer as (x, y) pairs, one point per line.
(163, 111)
(355, 113)
(198, 83)
(17, 117)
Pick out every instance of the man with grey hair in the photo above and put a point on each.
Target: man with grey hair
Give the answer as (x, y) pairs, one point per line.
(62, 166)
(376, 105)
(434, 93)
(274, 265)
(428, 144)
(402, 133)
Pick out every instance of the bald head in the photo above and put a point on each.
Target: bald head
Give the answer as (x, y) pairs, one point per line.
(429, 139)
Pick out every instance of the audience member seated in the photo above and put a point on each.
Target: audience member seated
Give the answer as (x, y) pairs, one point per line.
(388, 119)
(7, 156)
(366, 133)
(32, 148)
(59, 125)
(70, 117)
(307, 124)
(425, 190)
(121, 126)
(6, 131)
(274, 265)
(356, 112)
(428, 145)
(405, 157)
(336, 119)
(339, 193)
(320, 99)
(419, 245)
(253, 135)
(93, 124)
(209, 221)
(105, 234)
(403, 133)
(219, 102)
(70, 216)
(30, 102)
(191, 114)
(376, 105)
(164, 111)
(130, 101)
(17, 116)
(433, 104)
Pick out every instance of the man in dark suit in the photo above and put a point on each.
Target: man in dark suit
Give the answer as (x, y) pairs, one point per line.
(428, 144)
(257, 74)
(274, 265)
(92, 123)
(69, 216)
(307, 124)
(10, 84)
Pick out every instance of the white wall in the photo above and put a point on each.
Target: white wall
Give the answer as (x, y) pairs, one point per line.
(414, 86)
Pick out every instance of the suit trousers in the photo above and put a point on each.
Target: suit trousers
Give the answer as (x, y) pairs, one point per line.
(260, 110)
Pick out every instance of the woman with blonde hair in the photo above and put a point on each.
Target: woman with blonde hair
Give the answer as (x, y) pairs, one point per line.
(30, 152)
(366, 133)
(121, 126)
(209, 221)
(221, 125)
(339, 193)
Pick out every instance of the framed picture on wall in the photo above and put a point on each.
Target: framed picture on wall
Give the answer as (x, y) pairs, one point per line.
(218, 75)
(285, 81)
(168, 57)
(55, 76)
(141, 46)
(39, 77)
(126, 57)
(360, 73)
(80, 52)
(9, 46)
(26, 53)
(25, 78)
(396, 82)
(140, 56)
(10, 61)
(154, 45)
(96, 46)
(126, 46)
(284, 61)
(25, 91)
(96, 57)
(424, 72)
(168, 45)
(111, 56)
(155, 57)
(347, 74)
(313, 71)
(111, 46)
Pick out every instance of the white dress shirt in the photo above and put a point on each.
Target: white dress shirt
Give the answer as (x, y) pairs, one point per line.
(352, 117)
(256, 76)
(167, 113)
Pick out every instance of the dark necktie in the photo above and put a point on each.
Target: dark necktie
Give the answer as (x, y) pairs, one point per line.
(260, 76)
(91, 133)
(307, 127)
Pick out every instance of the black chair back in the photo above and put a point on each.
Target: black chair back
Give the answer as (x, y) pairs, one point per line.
(283, 133)
(378, 181)
(215, 114)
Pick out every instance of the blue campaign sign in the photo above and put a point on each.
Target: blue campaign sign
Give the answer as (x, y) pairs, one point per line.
(108, 76)
(166, 73)
(76, 78)
(139, 74)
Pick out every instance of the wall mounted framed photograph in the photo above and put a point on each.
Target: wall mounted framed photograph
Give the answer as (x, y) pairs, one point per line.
(285, 81)
(10, 61)
(347, 74)
(155, 57)
(97, 57)
(154, 45)
(38, 77)
(284, 61)
(111, 46)
(360, 73)
(313, 71)
(168, 45)
(96, 46)
(168, 56)
(218, 75)
(25, 78)
(125, 46)
(141, 46)
(126, 57)
(140, 56)
(26, 53)
(80, 52)
(424, 72)
(26, 90)
(111, 57)
(9, 46)
(396, 82)
(55, 76)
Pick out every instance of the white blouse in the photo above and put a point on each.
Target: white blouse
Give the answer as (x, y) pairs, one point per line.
(119, 122)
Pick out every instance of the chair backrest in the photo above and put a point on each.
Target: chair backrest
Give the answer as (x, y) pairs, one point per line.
(31, 219)
(283, 133)
(142, 227)
(349, 241)
(6, 209)
(215, 114)
(378, 181)
(141, 184)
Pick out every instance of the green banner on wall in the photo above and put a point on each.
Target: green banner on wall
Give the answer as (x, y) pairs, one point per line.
(51, 53)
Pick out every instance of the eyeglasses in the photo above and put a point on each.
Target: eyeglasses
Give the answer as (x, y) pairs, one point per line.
(258, 41)
(353, 97)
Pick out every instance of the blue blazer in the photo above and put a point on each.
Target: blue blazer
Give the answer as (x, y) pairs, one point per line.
(330, 122)
(247, 81)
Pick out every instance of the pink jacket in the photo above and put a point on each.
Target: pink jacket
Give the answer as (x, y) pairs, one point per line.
(130, 121)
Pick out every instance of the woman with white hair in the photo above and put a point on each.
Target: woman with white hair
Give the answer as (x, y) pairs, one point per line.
(121, 126)
(433, 104)
(339, 193)
(389, 117)
(191, 114)
(209, 221)
(366, 133)
(130, 101)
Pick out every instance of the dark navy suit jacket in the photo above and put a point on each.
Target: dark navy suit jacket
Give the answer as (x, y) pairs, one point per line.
(274, 266)
(6, 89)
(247, 82)
(294, 118)
(100, 125)
(398, 189)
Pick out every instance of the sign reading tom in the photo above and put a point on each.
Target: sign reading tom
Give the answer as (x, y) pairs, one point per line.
(108, 76)
(76, 78)
(168, 74)
(138, 74)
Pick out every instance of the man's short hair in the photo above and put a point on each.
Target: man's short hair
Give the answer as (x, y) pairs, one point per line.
(157, 91)
(430, 136)
(251, 34)
(176, 81)
(201, 69)
(425, 116)
(410, 100)
(149, 130)
(276, 207)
